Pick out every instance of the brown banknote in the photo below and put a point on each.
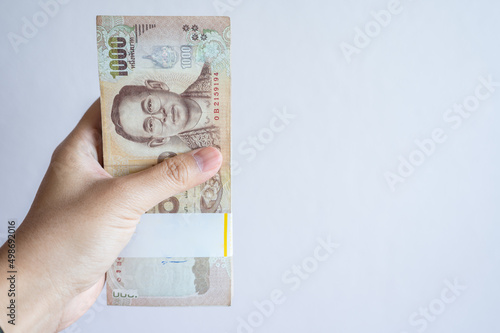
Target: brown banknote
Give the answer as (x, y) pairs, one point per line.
(170, 281)
(165, 90)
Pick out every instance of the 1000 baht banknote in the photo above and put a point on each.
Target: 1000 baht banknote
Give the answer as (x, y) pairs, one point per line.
(179, 281)
(165, 90)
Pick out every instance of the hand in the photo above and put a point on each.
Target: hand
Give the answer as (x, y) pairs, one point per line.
(79, 222)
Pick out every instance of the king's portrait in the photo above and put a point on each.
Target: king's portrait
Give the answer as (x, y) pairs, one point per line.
(151, 114)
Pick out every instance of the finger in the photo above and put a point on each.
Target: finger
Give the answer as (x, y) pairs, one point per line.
(89, 127)
(85, 140)
(92, 118)
(177, 174)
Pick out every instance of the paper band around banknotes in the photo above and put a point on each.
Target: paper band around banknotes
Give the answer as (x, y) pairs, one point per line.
(182, 235)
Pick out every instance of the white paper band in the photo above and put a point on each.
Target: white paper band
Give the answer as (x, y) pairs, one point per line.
(181, 235)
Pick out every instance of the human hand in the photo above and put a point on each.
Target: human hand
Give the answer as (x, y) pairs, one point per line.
(80, 220)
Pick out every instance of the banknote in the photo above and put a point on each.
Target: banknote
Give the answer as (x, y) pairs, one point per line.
(165, 90)
(175, 281)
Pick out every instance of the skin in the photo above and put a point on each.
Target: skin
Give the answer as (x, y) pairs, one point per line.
(80, 220)
(158, 113)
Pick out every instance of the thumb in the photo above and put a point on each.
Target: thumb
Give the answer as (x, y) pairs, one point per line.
(177, 174)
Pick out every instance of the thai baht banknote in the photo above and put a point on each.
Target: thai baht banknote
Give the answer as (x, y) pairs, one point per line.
(165, 90)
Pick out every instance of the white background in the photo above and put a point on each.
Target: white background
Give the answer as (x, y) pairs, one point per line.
(323, 175)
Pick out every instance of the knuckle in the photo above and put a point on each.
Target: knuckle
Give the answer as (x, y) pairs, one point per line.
(175, 170)
(57, 152)
(64, 155)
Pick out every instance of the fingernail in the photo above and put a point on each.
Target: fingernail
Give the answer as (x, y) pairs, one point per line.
(207, 158)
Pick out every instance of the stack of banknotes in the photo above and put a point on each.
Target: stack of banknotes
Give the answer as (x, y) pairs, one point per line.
(165, 90)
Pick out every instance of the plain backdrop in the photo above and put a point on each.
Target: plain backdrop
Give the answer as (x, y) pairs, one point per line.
(323, 175)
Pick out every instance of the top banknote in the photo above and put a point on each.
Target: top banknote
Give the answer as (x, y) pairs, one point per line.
(165, 90)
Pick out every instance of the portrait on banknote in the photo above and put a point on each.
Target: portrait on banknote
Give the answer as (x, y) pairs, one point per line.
(152, 114)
